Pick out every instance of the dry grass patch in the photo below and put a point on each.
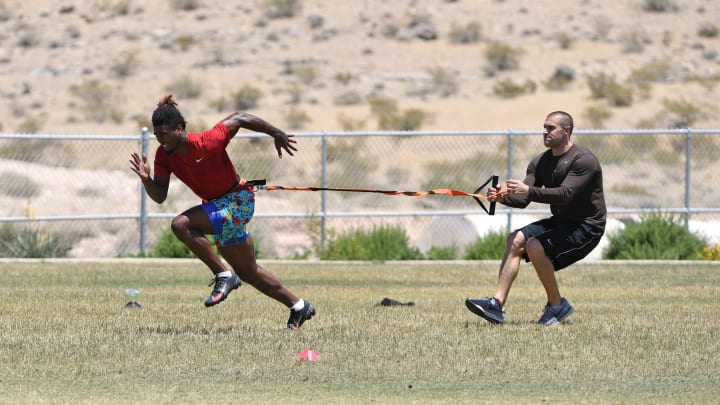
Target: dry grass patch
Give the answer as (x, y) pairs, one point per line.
(641, 333)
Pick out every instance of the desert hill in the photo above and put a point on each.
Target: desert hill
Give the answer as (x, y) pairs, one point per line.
(99, 67)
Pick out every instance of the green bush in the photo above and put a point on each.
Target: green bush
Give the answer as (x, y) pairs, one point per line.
(442, 253)
(382, 243)
(489, 247)
(29, 242)
(170, 246)
(655, 237)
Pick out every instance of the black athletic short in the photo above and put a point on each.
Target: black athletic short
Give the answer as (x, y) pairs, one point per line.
(565, 242)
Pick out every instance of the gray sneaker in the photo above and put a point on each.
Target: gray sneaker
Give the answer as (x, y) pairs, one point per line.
(556, 314)
(488, 308)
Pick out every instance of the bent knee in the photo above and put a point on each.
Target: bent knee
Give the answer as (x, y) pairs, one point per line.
(179, 225)
(516, 242)
(533, 247)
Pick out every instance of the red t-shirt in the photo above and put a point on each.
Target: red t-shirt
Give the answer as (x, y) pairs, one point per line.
(206, 167)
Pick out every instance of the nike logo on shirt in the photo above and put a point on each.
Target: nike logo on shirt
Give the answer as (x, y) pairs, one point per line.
(198, 160)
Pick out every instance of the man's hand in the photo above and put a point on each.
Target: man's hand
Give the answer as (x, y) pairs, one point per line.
(516, 187)
(284, 141)
(140, 166)
(495, 194)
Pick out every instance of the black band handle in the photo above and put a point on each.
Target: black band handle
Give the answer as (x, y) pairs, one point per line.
(490, 211)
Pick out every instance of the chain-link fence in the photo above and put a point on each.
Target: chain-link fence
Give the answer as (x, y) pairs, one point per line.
(79, 190)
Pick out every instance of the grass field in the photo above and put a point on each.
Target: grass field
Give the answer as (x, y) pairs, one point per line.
(641, 333)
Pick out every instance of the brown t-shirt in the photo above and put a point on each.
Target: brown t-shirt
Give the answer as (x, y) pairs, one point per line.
(571, 183)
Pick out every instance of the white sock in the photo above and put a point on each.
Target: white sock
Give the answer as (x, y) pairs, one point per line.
(298, 305)
(224, 274)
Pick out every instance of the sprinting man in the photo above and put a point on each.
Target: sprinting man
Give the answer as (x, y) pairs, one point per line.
(201, 162)
(569, 178)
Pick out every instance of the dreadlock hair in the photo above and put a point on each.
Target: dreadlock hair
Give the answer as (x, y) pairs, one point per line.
(167, 113)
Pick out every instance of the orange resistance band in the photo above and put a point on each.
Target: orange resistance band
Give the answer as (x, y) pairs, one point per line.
(261, 185)
(438, 191)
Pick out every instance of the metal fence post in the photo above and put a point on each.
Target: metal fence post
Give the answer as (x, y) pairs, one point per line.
(688, 154)
(511, 142)
(143, 197)
(323, 196)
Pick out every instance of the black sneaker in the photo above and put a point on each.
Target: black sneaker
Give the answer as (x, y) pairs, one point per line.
(554, 315)
(223, 286)
(297, 318)
(488, 308)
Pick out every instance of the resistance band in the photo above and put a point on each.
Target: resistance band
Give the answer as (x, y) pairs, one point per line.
(262, 185)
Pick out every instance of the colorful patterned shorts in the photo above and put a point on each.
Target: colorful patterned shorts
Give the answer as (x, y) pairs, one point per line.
(229, 215)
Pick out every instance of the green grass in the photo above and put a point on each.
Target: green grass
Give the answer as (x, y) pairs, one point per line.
(641, 332)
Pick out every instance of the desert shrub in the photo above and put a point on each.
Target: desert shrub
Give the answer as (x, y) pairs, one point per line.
(18, 185)
(349, 123)
(218, 104)
(708, 30)
(350, 97)
(655, 71)
(600, 27)
(381, 243)
(274, 9)
(30, 242)
(443, 82)
(442, 253)
(654, 237)
(296, 118)
(564, 40)
(184, 42)
(30, 125)
(246, 97)
(411, 119)
(97, 101)
(306, 74)
(469, 33)
(596, 115)
(185, 87)
(343, 78)
(502, 56)
(507, 88)
(489, 247)
(659, 6)
(126, 65)
(27, 36)
(390, 118)
(683, 113)
(634, 41)
(561, 78)
(380, 105)
(186, 5)
(604, 86)
(196, 126)
(346, 156)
